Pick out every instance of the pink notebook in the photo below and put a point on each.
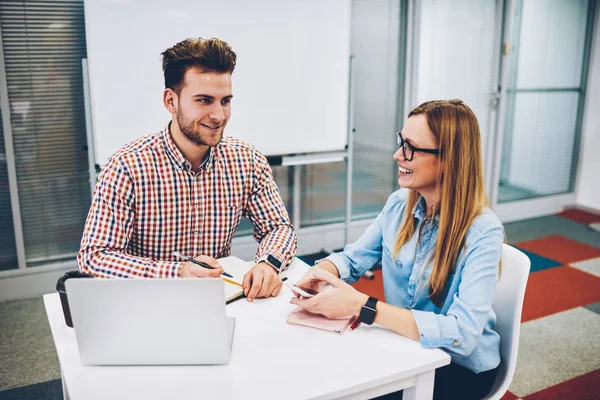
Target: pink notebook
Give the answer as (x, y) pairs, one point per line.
(299, 316)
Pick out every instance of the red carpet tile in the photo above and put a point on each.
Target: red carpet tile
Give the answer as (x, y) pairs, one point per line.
(560, 249)
(580, 216)
(558, 289)
(509, 396)
(583, 387)
(372, 287)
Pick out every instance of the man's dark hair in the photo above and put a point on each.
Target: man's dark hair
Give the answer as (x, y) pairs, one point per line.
(209, 55)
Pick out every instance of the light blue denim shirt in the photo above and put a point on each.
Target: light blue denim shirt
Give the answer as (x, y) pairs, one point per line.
(463, 326)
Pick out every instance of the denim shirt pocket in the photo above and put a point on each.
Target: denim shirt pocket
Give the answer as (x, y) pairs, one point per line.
(388, 253)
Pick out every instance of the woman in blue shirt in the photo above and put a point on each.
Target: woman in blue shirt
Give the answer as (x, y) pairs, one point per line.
(440, 247)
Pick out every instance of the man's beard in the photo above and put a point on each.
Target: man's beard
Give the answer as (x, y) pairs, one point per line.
(189, 131)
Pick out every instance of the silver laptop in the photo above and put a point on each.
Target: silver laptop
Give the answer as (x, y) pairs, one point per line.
(150, 321)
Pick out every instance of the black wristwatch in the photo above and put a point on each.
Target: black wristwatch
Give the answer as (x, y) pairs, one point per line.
(368, 311)
(272, 261)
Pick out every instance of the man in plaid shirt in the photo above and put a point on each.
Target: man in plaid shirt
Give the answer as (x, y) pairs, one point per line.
(186, 188)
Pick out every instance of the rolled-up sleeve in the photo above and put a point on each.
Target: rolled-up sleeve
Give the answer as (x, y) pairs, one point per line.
(460, 328)
(265, 209)
(358, 257)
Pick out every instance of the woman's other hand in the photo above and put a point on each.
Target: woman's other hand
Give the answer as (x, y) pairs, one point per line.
(339, 300)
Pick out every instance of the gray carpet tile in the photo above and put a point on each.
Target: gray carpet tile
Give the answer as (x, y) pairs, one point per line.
(552, 225)
(26, 347)
(595, 307)
(555, 349)
(591, 266)
(51, 390)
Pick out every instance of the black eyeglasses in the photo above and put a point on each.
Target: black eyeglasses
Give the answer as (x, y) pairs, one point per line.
(409, 150)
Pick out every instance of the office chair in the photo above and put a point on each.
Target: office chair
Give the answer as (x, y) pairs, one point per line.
(508, 305)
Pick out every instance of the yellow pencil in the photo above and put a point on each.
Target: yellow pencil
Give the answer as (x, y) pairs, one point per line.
(232, 282)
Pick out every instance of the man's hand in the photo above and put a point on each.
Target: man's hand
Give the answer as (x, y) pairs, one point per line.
(261, 281)
(191, 270)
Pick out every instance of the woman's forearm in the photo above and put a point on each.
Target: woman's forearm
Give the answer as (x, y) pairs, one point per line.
(397, 319)
(329, 267)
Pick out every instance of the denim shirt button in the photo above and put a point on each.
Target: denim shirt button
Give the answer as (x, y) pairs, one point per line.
(455, 342)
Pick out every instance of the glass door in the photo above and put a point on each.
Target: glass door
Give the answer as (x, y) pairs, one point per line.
(545, 83)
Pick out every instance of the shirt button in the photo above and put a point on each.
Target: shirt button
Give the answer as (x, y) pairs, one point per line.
(196, 206)
(455, 342)
(196, 232)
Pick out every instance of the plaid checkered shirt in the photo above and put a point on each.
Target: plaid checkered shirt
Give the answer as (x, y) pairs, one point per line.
(148, 203)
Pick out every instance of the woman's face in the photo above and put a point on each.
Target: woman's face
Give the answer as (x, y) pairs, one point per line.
(421, 173)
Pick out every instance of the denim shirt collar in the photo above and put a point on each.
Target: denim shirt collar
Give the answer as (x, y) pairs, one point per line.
(420, 211)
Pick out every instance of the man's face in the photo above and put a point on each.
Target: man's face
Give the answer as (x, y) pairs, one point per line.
(204, 106)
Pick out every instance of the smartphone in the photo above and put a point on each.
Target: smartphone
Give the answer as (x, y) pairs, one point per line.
(307, 293)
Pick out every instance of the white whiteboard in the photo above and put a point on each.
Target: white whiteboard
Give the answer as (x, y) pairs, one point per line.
(290, 84)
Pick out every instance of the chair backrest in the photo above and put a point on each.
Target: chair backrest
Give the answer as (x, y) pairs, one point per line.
(508, 305)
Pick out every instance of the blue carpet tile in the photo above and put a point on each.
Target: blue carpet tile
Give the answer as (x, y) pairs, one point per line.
(51, 390)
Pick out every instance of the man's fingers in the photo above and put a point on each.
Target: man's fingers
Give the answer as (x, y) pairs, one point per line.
(268, 285)
(277, 289)
(246, 283)
(257, 279)
(208, 260)
(201, 272)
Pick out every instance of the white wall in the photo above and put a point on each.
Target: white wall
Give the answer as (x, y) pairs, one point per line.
(588, 185)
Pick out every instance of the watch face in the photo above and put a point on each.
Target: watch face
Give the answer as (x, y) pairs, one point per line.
(367, 315)
(273, 261)
(368, 311)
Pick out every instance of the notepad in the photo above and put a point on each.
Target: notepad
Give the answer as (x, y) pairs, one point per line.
(300, 316)
(237, 268)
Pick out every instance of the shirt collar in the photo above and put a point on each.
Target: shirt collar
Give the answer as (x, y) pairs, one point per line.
(420, 211)
(177, 157)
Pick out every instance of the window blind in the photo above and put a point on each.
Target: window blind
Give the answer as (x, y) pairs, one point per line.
(44, 42)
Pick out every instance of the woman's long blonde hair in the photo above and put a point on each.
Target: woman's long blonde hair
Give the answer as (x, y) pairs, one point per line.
(461, 186)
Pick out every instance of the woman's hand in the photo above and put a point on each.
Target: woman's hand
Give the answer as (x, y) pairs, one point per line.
(339, 300)
(310, 283)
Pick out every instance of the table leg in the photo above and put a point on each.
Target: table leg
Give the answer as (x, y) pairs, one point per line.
(64, 386)
(423, 389)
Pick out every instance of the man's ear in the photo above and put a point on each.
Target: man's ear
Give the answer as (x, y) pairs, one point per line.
(170, 100)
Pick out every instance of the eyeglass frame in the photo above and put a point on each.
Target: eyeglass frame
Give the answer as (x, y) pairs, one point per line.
(400, 142)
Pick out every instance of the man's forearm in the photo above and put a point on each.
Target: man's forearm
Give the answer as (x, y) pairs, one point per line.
(104, 263)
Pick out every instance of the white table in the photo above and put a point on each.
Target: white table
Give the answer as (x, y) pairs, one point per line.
(270, 360)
